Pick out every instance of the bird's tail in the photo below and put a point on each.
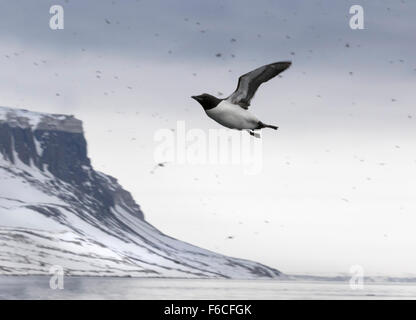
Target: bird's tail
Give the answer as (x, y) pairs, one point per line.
(263, 125)
(271, 127)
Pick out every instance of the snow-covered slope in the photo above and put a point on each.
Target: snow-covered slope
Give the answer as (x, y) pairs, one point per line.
(55, 209)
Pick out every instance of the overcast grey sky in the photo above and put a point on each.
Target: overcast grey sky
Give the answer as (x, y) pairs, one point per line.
(338, 179)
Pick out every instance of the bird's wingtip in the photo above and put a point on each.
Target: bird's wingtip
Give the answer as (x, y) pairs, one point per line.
(282, 65)
(287, 63)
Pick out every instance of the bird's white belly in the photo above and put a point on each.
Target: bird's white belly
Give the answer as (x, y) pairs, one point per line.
(233, 116)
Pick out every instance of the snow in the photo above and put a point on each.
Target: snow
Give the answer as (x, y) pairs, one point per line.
(33, 118)
(29, 119)
(39, 149)
(41, 225)
(83, 245)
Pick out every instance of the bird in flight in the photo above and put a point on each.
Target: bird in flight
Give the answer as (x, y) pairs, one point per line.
(232, 112)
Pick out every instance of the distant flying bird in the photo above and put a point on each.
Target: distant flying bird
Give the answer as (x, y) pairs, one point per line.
(159, 165)
(232, 112)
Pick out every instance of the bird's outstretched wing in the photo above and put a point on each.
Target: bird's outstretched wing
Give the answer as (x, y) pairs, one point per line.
(249, 82)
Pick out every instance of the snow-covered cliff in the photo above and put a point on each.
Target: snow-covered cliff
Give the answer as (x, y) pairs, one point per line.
(55, 209)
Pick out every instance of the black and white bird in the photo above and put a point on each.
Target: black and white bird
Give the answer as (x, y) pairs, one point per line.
(232, 112)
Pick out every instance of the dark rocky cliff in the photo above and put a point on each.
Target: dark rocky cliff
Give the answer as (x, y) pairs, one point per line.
(56, 143)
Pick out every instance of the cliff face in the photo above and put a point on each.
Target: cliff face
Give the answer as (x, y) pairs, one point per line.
(56, 144)
(56, 209)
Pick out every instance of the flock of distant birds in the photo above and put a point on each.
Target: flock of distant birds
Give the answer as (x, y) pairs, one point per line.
(170, 51)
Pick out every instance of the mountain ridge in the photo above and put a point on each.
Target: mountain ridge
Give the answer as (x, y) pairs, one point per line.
(56, 209)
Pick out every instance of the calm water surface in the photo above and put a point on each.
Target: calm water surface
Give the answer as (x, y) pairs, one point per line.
(37, 287)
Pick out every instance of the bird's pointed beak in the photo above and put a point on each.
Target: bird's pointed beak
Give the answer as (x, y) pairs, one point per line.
(194, 97)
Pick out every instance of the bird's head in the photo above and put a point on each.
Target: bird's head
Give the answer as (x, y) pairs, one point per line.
(207, 101)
